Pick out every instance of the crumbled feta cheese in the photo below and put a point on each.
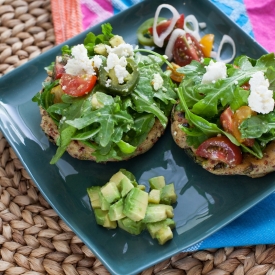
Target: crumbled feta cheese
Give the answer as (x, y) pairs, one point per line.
(121, 50)
(108, 83)
(80, 63)
(214, 71)
(121, 73)
(260, 99)
(97, 61)
(113, 60)
(59, 59)
(119, 66)
(157, 81)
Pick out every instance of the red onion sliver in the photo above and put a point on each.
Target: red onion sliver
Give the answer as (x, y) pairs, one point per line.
(159, 40)
(229, 40)
(193, 20)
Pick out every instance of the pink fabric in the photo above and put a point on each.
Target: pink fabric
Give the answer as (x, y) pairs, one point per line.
(95, 11)
(262, 17)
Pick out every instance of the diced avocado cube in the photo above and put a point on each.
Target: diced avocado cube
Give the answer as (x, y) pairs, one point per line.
(164, 234)
(153, 228)
(141, 187)
(102, 218)
(93, 193)
(130, 176)
(125, 186)
(100, 49)
(168, 194)
(110, 192)
(116, 211)
(117, 177)
(135, 204)
(132, 227)
(157, 182)
(169, 210)
(155, 213)
(104, 205)
(109, 224)
(154, 196)
(116, 40)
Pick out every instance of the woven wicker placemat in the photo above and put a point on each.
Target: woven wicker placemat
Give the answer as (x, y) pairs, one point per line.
(33, 239)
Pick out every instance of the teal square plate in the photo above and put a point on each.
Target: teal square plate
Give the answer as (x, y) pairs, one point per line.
(205, 202)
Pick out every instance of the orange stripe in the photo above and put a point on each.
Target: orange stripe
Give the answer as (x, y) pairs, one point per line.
(67, 19)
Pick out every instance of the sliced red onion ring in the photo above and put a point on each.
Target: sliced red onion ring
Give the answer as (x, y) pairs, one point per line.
(159, 40)
(169, 48)
(229, 40)
(193, 20)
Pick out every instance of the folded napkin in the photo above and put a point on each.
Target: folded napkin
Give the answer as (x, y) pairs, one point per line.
(257, 225)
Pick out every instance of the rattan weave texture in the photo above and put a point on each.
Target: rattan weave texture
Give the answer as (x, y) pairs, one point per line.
(33, 239)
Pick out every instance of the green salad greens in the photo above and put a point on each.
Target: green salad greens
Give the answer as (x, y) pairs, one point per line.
(203, 104)
(114, 125)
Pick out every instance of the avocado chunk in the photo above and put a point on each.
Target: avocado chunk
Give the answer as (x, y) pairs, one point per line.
(116, 211)
(104, 205)
(93, 193)
(102, 218)
(110, 192)
(168, 194)
(164, 234)
(154, 227)
(157, 182)
(130, 176)
(117, 177)
(135, 204)
(125, 186)
(154, 196)
(132, 227)
(141, 187)
(157, 212)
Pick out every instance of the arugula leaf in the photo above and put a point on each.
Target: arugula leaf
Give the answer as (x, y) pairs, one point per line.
(146, 99)
(256, 126)
(67, 131)
(205, 99)
(91, 39)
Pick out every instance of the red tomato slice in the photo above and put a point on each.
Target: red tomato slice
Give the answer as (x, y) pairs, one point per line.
(231, 121)
(222, 149)
(163, 26)
(77, 85)
(186, 49)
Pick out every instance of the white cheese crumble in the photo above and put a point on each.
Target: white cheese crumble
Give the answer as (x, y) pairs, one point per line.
(118, 64)
(121, 50)
(108, 83)
(96, 61)
(260, 99)
(80, 63)
(157, 81)
(214, 71)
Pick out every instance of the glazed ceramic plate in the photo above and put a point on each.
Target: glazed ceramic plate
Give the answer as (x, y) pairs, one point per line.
(205, 202)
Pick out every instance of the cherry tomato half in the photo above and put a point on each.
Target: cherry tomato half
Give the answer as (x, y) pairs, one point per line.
(231, 121)
(222, 149)
(163, 26)
(207, 42)
(77, 85)
(177, 77)
(186, 49)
